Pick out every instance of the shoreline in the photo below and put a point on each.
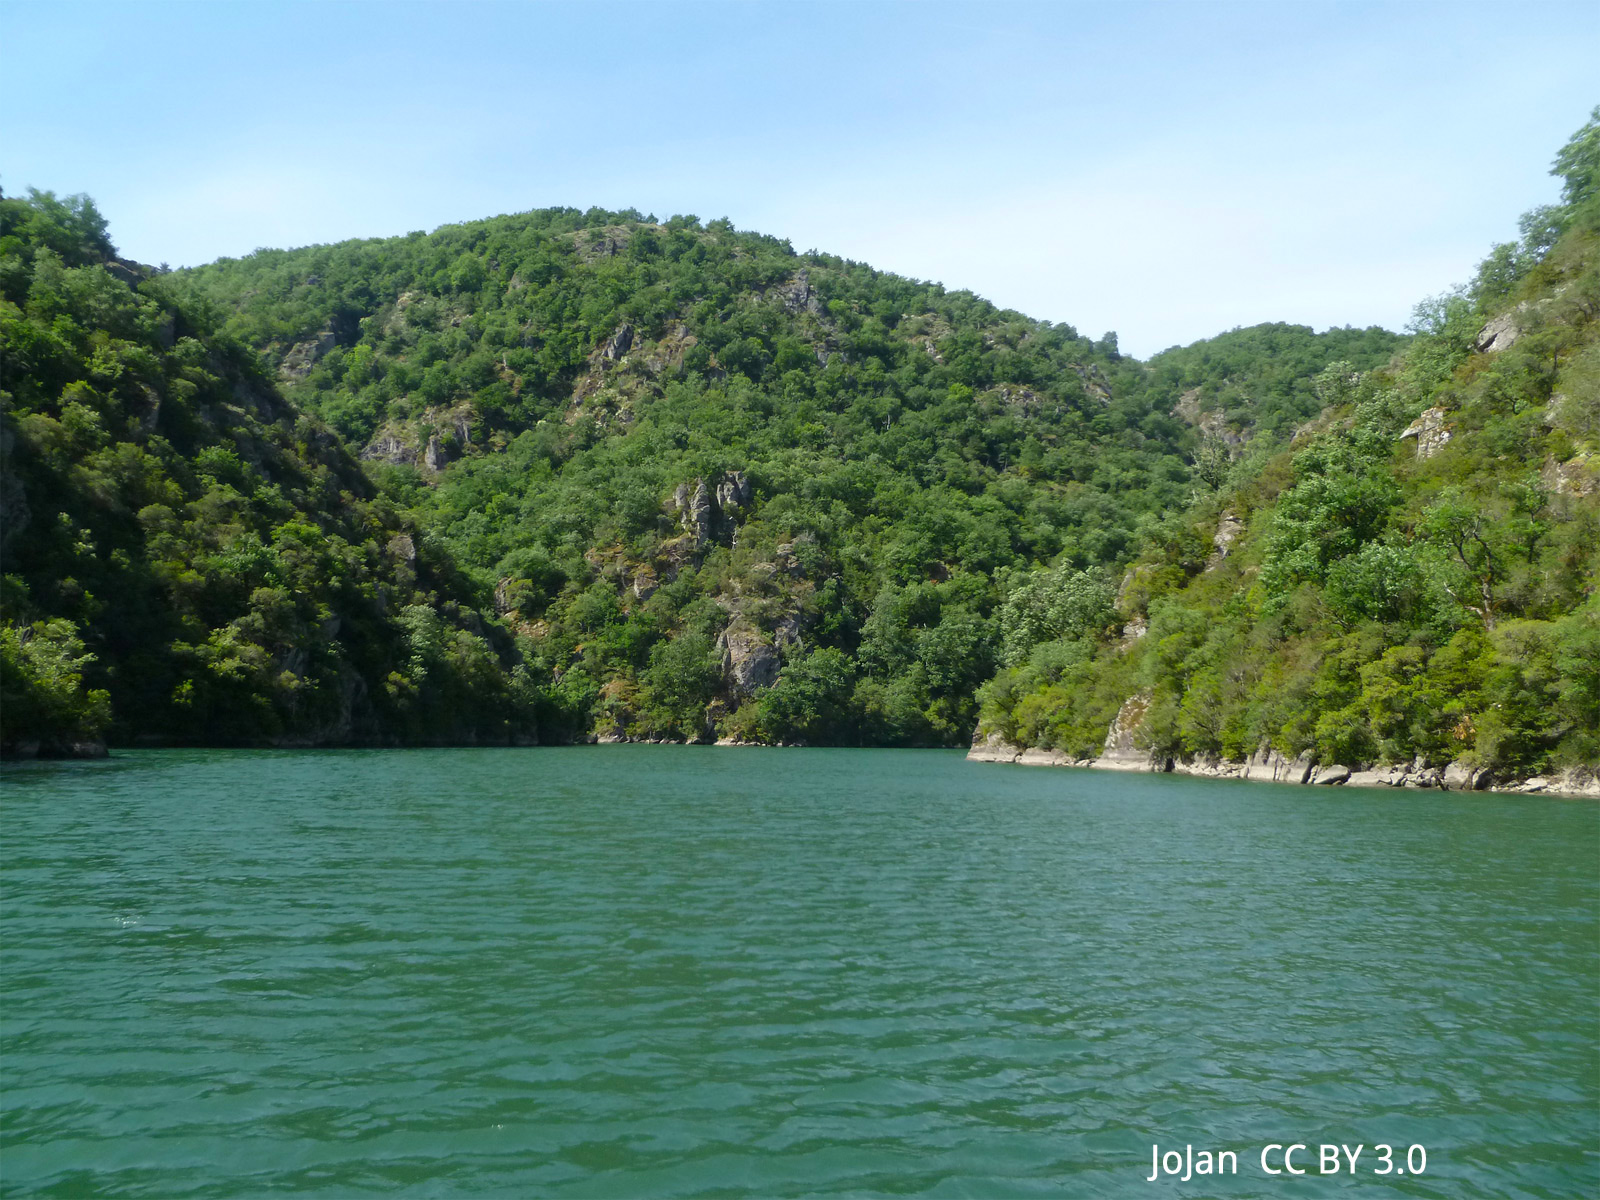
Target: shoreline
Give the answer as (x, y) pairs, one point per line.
(1270, 766)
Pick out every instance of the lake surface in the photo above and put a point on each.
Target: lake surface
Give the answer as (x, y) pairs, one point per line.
(696, 971)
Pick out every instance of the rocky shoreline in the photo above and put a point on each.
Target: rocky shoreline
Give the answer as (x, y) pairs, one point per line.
(1270, 766)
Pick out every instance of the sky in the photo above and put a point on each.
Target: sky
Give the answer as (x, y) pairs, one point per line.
(1167, 171)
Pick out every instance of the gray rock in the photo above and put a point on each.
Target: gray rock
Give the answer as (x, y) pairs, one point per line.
(1036, 757)
(619, 343)
(787, 631)
(1369, 779)
(1122, 751)
(297, 364)
(749, 661)
(389, 448)
(992, 748)
(1229, 527)
(130, 273)
(1332, 774)
(733, 491)
(710, 511)
(402, 549)
(1430, 431)
(1499, 334)
(435, 457)
(1270, 765)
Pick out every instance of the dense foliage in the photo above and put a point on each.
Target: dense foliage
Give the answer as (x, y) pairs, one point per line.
(631, 478)
(551, 391)
(1364, 597)
(186, 556)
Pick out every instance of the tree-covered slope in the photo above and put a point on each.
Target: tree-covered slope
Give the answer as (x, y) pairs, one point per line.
(720, 488)
(1413, 577)
(187, 557)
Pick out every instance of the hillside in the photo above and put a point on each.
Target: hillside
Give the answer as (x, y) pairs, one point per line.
(573, 475)
(723, 489)
(1408, 585)
(188, 558)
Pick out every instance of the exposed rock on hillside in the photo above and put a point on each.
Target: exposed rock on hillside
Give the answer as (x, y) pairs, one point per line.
(1431, 432)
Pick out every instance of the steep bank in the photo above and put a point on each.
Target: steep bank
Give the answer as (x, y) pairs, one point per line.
(1407, 588)
(187, 557)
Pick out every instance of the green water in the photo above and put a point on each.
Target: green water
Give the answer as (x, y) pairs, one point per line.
(684, 971)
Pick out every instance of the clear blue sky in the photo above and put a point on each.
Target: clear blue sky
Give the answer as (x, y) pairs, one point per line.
(1165, 170)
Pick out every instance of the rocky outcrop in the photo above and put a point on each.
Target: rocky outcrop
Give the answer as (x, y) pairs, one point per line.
(733, 492)
(389, 448)
(992, 748)
(1430, 431)
(798, 296)
(1270, 765)
(1211, 423)
(1499, 334)
(1574, 782)
(1035, 757)
(694, 508)
(1229, 527)
(749, 661)
(1094, 381)
(619, 343)
(130, 273)
(1577, 476)
(1122, 751)
(710, 510)
(303, 356)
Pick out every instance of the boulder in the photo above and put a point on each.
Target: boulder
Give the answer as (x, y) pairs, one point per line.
(1270, 765)
(1331, 774)
(1377, 777)
(992, 748)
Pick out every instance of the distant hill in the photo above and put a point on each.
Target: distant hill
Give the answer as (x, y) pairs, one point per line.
(571, 476)
(723, 489)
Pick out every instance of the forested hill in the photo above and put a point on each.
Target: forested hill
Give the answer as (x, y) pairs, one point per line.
(720, 488)
(1411, 583)
(628, 478)
(188, 558)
